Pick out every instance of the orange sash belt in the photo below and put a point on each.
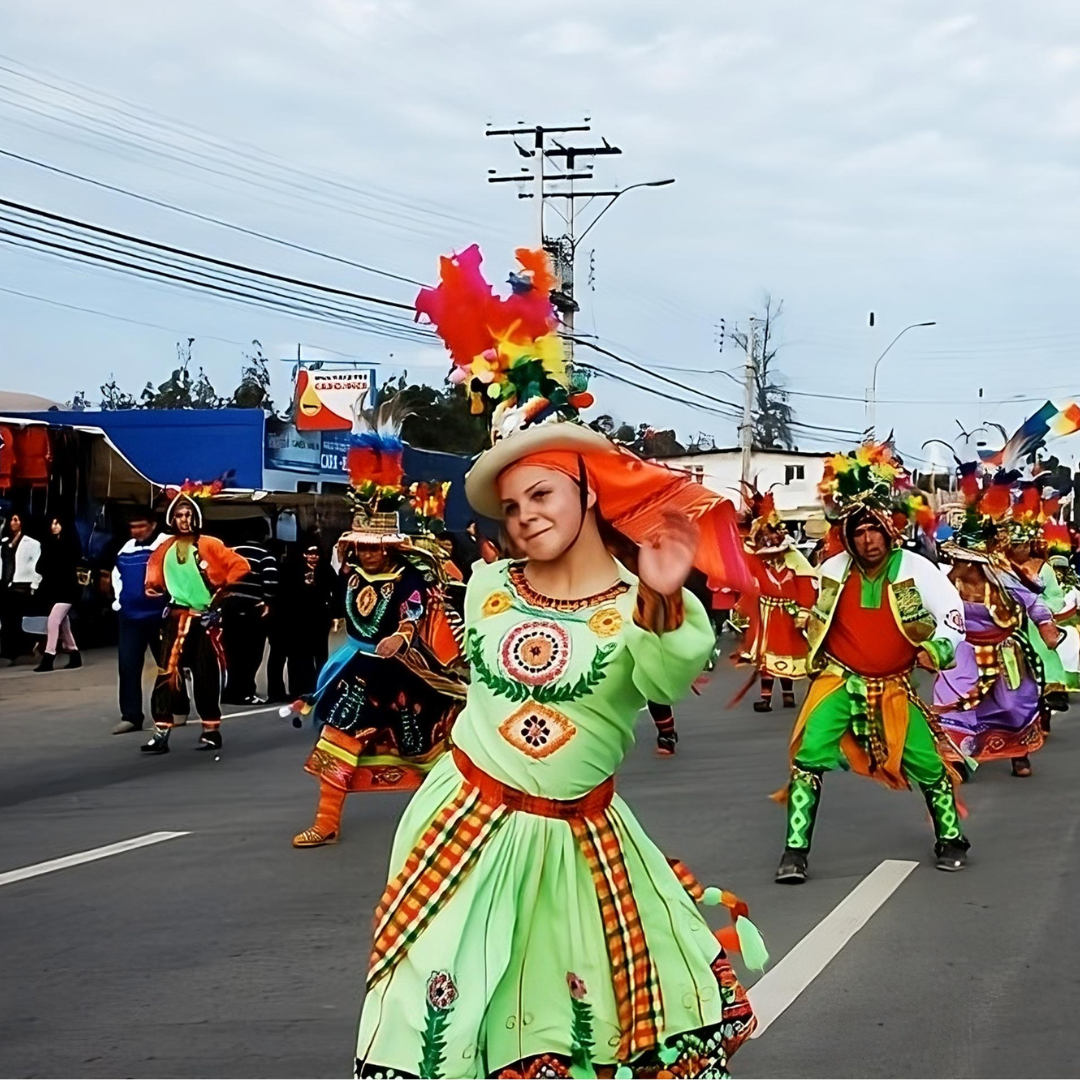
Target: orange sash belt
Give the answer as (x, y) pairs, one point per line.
(496, 793)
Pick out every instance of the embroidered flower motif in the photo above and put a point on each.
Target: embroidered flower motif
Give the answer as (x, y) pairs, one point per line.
(576, 985)
(496, 604)
(441, 991)
(537, 730)
(365, 602)
(607, 622)
(535, 653)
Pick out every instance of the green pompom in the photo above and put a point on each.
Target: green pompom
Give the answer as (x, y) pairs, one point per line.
(712, 897)
(668, 1054)
(751, 944)
(623, 1073)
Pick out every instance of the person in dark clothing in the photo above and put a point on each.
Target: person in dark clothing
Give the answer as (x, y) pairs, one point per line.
(464, 551)
(60, 591)
(19, 580)
(303, 614)
(246, 616)
(139, 619)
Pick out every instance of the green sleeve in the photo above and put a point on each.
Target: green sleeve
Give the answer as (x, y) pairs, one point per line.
(942, 652)
(665, 665)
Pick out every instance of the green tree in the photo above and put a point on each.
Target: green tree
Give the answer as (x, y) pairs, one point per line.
(438, 418)
(254, 389)
(182, 390)
(113, 398)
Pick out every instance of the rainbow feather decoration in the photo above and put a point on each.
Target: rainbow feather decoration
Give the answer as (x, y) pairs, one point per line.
(374, 460)
(506, 350)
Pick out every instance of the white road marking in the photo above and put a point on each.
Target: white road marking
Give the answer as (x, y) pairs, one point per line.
(86, 856)
(778, 988)
(251, 712)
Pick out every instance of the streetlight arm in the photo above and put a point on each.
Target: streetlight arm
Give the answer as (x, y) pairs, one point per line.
(873, 380)
(616, 197)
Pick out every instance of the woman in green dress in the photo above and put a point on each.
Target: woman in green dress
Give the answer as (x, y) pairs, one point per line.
(530, 927)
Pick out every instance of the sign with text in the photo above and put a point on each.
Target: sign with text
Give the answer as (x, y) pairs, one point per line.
(334, 457)
(325, 399)
(287, 448)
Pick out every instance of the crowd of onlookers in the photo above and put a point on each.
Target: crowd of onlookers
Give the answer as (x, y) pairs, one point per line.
(43, 578)
(288, 601)
(283, 610)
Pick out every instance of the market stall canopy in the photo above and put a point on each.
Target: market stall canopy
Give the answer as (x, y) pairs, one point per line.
(112, 476)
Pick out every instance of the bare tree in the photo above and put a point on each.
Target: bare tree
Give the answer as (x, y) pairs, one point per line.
(773, 413)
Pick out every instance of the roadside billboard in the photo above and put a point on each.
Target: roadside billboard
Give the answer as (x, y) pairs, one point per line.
(325, 398)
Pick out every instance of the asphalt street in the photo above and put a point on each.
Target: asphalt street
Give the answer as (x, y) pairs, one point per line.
(225, 953)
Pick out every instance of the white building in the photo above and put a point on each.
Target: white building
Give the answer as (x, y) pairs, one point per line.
(791, 475)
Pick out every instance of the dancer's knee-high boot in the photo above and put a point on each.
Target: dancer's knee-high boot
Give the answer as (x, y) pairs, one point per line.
(327, 827)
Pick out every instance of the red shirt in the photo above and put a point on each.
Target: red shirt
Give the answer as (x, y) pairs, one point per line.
(867, 640)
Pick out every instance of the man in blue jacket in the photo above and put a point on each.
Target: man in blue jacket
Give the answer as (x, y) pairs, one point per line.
(139, 616)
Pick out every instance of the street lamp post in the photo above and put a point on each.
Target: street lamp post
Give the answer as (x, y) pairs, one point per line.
(871, 392)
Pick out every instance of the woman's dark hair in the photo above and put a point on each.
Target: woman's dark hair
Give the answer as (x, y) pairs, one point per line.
(622, 547)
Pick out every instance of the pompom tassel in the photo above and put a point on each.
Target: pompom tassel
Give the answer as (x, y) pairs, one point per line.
(744, 939)
(751, 944)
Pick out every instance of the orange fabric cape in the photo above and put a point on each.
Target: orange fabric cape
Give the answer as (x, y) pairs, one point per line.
(634, 496)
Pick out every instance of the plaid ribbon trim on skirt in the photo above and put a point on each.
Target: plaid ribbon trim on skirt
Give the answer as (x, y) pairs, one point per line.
(449, 848)
(431, 875)
(633, 977)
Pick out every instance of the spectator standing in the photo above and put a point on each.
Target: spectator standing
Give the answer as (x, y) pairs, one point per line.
(60, 591)
(19, 580)
(304, 612)
(246, 619)
(138, 615)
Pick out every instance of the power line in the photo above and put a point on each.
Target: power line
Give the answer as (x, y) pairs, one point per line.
(244, 280)
(208, 218)
(308, 311)
(160, 120)
(292, 301)
(159, 149)
(118, 318)
(709, 397)
(127, 237)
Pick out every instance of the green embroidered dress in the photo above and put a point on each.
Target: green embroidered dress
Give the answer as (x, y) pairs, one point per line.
(510, 942)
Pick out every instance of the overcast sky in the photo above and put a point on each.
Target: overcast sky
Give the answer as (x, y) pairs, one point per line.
(911, 157)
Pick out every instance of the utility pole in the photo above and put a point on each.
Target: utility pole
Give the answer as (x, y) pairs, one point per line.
(562, 249)
(746, 430)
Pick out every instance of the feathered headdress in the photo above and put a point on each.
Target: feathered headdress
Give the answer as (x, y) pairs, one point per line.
(375, 456)
(192, 492)
(506, 349)
(377, 487)
(987, 504)
(761, 514)
(428, 502)
(871, 478)
(1057, 538)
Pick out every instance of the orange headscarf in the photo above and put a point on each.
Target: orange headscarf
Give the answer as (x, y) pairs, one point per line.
(633, 496)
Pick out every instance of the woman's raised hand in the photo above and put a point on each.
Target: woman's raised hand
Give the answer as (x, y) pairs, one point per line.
(664, 563)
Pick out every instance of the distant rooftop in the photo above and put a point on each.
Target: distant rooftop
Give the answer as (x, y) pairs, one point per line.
(13, 401)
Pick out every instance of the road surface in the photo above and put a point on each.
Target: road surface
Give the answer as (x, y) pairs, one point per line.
(223, 952)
